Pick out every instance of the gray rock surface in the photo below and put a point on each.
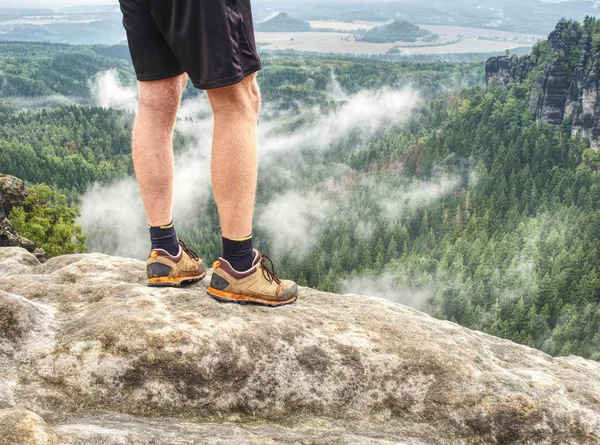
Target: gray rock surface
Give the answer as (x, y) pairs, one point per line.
(508, 69)
(19, 426)
(102, 359)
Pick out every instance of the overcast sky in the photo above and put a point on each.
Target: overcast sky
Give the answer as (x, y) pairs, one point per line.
(54, 3)
(59, 3)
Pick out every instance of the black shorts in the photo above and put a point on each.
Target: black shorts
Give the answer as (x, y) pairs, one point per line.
(211, 40)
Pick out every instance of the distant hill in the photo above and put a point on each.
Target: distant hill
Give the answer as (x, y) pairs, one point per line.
(283, 23)
(88, 9)
(396, 31)
(11, 13)
(46, 69)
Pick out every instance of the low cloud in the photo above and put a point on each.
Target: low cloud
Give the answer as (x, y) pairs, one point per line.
(364, 230)
(364, 113)
(108, 92)
(45, 103)
(114, 221)
(335, 90)
(295, 222)
(385, 286)
(415, 194)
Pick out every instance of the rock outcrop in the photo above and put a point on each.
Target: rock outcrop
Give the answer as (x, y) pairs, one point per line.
(504, 70)
(282, 22)
(564, 88)
(90, 355)
(12, 194)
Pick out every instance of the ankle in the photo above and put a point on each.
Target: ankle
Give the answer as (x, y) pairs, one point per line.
(238, 252)
(165, 238)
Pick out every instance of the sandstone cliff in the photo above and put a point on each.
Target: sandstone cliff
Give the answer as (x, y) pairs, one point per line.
(89, 355)
(564, 79)
(12, 194)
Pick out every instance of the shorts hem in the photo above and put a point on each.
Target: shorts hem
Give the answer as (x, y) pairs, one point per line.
(160, 76)
(228, 81)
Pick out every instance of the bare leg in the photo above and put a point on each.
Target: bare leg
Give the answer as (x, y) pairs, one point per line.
(153, 145)
(234, 158)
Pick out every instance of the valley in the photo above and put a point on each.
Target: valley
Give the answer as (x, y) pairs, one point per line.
(344, 43)
(102, 25)
(409, 181)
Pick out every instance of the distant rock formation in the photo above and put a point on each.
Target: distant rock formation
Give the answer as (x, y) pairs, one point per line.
(282, 22)
(12, 194)
(565, 88)
(508, 69)
(90, 355)
(395, 31)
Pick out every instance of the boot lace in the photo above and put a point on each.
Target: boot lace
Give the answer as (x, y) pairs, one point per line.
(189, 251)
(268, 272)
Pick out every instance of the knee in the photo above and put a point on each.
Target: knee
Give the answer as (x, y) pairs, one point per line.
(162, 96)
(242, 97)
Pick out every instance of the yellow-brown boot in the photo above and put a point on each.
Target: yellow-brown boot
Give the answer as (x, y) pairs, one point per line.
(165, 270)
(258, 285)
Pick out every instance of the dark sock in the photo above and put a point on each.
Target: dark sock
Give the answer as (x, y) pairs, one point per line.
(239, 253)
(165, 237)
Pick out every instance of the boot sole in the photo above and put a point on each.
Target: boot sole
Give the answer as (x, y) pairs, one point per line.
(174, 282)
(226, 297)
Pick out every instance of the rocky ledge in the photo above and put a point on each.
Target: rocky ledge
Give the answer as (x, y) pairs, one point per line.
(12, 194)
(89, 355)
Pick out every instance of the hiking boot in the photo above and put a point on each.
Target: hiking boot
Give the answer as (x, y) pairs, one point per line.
(257, 285)
(165, 270)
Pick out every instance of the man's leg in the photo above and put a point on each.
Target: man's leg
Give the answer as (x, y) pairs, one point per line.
(234, 166)
(171, 262)
(153, 145)
(239, 276)
(168, 265)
